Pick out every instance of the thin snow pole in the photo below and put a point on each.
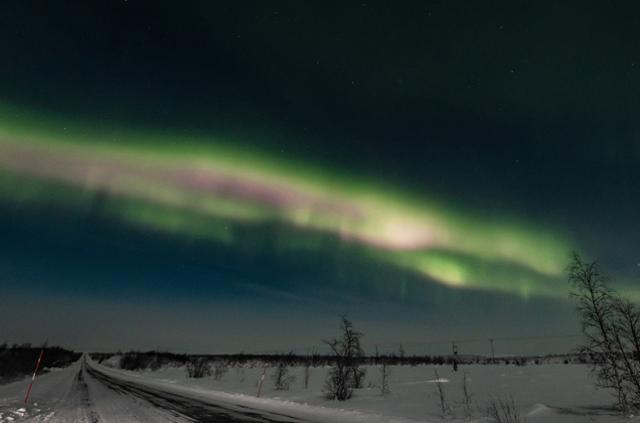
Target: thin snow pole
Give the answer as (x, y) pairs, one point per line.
(33, 377)
(493, 354)
(264, 371)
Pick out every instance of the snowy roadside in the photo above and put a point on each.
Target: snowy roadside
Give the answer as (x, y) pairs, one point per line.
(549, 394)
(302, 411)
(50, 389)
(552, 393)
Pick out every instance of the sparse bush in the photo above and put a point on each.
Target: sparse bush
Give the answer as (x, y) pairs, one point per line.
(357, 375)
(384, 379)
(467, 397)
(336, 386)
(155, 363)
(19, 360)
(198, 367)
(504, 410)
(134, 360)
(307, 374)
(240, 371)
(281, 378)
(220, 368)
(442, 399)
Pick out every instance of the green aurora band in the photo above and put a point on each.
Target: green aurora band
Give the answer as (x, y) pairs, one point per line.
(190, 186)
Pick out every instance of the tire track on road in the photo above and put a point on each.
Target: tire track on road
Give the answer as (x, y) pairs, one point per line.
(194, 409)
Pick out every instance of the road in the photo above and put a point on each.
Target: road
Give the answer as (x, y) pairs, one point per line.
(84, 393)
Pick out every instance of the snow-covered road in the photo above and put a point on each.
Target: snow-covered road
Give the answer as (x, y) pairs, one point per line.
(85, 393)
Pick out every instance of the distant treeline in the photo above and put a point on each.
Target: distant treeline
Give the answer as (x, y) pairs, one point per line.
(17, 361)
(153, 360)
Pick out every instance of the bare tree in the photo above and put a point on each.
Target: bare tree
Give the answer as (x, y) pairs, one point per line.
(353, 353)
(345, 374)
(611, 327)
(625, 332)
(629, 316)
(337, 385)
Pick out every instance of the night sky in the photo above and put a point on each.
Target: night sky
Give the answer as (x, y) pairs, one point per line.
(234, 176)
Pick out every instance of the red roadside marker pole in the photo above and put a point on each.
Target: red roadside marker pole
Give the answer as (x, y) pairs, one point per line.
(33, 378)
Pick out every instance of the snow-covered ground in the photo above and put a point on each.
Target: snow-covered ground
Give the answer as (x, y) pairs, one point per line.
(68, 395)
(543, 393)
(298, 411)
(95, 394)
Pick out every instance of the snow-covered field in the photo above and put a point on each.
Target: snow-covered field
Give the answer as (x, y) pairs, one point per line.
(99, 393)
(543, 393)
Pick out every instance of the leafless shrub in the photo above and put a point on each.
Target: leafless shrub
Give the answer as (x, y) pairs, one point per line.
(220, 368)
(307, 374)
(198, 367)
(281, 378)
(384, 379)
(240, 371)
(504, 410)
(155, 363)
(442, 400)
(467, 397)
(337, 385)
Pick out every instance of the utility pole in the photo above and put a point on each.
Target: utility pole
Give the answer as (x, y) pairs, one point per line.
(455, 356)
(493, 354)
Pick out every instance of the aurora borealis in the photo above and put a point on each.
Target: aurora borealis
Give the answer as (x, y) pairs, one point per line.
(194, 163)
(163, 189)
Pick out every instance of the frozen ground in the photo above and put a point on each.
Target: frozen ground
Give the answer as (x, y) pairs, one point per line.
(544, 393)
(97, 393)
(86, 392)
